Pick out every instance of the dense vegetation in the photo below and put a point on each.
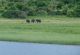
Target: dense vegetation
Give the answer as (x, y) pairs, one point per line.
(23, 8)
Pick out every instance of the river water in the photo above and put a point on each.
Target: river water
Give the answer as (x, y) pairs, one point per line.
(14, 48)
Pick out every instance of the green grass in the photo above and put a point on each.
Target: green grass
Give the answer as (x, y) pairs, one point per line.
(58, 30)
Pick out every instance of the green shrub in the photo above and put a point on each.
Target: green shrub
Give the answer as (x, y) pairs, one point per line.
(41, 12)
(31, 13)
(70, 12)
(14, 14)
(55, 12)
(75, 12)
(16, 0)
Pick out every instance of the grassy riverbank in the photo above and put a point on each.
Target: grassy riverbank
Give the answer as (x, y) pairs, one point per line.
(59, 30)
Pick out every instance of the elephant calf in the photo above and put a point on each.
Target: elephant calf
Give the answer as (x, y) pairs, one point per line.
(33, 20)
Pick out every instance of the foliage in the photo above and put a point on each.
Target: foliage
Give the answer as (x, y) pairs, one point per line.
(14, 14)
(41, 7)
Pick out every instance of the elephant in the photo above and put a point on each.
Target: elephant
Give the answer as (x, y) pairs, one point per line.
(28, 21)
(33, 20)
(38, 20)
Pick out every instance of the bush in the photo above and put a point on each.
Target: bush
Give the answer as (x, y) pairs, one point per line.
(16, 0)
(31, 13)
(14, 14)
(70, 12)
(41, 12)
(55, 12)
(75, 12)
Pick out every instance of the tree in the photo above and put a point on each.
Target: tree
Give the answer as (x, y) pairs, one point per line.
(41, 7)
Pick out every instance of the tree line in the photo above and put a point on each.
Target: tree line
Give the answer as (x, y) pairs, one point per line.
(23, 8)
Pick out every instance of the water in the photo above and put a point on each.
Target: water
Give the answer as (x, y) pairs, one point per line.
(13, 48)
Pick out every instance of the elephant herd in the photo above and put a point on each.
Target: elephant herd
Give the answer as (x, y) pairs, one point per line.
(33, 20)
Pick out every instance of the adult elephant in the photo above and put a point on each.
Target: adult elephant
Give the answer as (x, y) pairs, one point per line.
(28, 21)
(38, 20)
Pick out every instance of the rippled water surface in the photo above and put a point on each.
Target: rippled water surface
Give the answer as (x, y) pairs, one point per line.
(13, 48)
